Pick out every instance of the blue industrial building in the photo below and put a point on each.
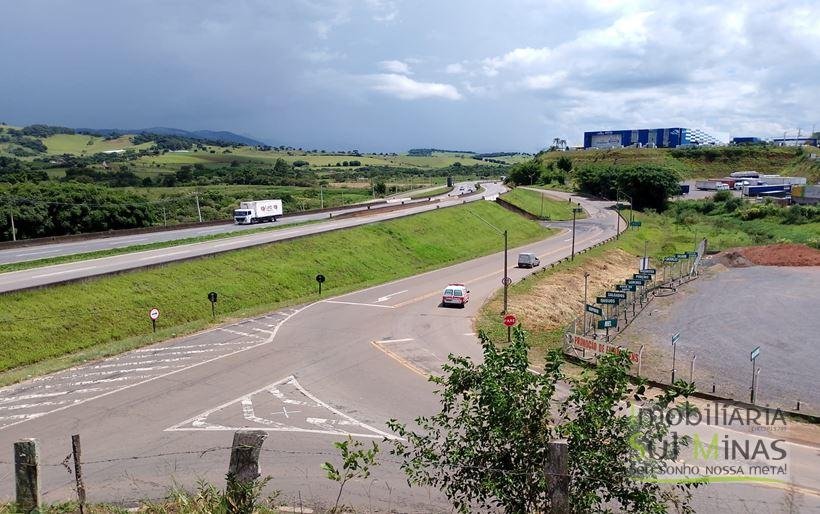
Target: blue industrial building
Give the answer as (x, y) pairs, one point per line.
(660, 138)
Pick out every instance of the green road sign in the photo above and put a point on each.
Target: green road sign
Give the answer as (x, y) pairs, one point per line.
(692, 254)
(608, 301)
(616, 294)
(670, 259)
(682, 255)
(642, 276)
(594, 310)
(754, 353)
(625, 287)
(607, 323)
(635, 223)
(648, 271)
(634, 281)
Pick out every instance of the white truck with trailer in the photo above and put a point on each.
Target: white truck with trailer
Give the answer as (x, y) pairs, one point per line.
(711, 185)
(259, 211)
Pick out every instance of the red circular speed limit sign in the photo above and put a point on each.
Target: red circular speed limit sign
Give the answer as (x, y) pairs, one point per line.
(153, 313)
(509, 320)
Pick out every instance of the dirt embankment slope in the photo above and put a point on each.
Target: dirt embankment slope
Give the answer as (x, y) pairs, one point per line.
(772, 255)
(553, 301)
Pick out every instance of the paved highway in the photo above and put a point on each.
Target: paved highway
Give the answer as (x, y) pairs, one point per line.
(309, 376)
(45, 250)
(37, 277)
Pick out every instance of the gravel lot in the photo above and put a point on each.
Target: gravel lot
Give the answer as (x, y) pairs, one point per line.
(726, 313)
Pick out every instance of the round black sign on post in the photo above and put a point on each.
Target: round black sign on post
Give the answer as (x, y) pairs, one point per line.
(212, 296)
(320, 279)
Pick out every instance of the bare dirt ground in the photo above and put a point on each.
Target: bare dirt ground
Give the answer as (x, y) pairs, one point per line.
(772, 255)
(733, 308)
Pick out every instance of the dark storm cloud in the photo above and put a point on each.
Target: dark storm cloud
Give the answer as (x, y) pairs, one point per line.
(389, 75)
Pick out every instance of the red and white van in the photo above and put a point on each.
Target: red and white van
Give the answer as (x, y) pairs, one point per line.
(455, 294)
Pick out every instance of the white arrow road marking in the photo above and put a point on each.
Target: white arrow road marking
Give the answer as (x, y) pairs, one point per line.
(337, 424)
(389, 296)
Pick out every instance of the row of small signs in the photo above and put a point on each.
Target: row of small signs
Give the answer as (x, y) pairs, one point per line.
(615, 297)
(680, 256)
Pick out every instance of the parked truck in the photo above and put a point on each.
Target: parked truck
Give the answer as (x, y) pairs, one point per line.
(711, 185)
(775, 190)
(260, 211)
(773, 180)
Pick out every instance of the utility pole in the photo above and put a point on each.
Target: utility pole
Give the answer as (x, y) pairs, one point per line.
(198, 210)
(321, 197)
(575, 211)
(586, 280)
(13, 230)
(164, 217)
(506, 278)
(542, 206)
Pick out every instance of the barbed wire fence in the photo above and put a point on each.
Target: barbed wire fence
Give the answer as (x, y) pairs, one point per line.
(244, 468)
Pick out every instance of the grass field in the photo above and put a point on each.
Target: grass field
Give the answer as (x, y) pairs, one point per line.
(541, 205)
(700, 163)
(79, 144)
(108, 314)
(431, 192)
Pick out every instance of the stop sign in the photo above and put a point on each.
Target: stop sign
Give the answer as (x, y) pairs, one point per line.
(509, 320)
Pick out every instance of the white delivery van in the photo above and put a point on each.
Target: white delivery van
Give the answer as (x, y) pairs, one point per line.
(528, 260)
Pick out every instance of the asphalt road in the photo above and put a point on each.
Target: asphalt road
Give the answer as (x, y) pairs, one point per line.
(48, 250)
(37, 277)
(308, 376)
(725, 314)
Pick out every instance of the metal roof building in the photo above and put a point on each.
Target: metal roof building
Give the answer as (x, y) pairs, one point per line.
(661, 138)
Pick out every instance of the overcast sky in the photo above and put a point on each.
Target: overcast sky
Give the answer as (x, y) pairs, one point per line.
(381, 75)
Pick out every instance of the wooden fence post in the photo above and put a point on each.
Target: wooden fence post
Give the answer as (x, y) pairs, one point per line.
(244, 469)
(557, 471)
(27, 475)
(76, 451)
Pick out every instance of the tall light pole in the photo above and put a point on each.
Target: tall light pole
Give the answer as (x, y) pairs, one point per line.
(13, 230)
(586, 280)
(506, 280)
(575, 211)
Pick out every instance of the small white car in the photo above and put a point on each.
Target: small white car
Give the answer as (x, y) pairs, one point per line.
(455, 294)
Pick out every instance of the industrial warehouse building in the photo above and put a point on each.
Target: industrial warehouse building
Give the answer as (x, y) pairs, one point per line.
(660, 138)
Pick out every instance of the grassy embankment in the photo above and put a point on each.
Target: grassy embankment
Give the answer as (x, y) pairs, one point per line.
(67, 324)
(62, 259)
(433, 192)
(702, 162)
(549, 300)
(540, 205)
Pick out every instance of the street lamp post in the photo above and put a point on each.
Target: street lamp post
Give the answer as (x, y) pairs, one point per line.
(506, 276)
(575, 211)
(586, 281)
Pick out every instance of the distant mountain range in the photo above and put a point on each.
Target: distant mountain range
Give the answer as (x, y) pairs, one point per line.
(209, 135)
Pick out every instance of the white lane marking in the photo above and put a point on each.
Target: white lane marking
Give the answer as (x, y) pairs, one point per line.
(238, 333)
(468, 333)
(63, 272)
(394, 340)
(36, 396)
(199, 422)
(359, 304)
(389, 296)
(168, 254)
(36, 253)
(157, 377)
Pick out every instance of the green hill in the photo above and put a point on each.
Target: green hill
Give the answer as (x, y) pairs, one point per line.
(702, 162)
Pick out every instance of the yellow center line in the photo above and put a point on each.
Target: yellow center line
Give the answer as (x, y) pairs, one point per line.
(482, 277)
(404, 362)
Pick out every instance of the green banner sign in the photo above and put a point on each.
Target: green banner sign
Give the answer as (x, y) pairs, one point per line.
(594, 310)
(607, 323)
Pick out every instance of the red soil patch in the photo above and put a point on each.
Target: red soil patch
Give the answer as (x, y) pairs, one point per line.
(772, 255)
